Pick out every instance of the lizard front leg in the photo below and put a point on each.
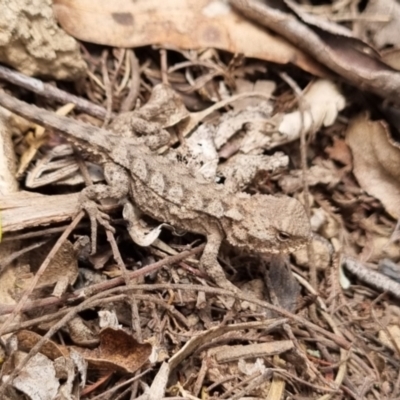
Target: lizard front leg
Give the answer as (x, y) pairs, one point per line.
(210, 263)
(117, 187)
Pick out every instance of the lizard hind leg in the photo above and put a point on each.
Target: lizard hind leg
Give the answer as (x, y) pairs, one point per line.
(117, 187)
(211, 265)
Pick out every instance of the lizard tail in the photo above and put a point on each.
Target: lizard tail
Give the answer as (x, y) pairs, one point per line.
(75, 131)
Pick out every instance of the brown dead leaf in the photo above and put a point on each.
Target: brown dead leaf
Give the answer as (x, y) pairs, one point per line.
(61, 271)
(376, 161)
(28, 339)
(185, 24)
(339, 151)
(59, 167)
(118, 351)
(63, 265)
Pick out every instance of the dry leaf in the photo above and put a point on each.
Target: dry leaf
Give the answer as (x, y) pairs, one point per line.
(324, 172)
(340, 152)
(393, 339)
(322, 102)
(58, 166)
(385, 31)
(61, 271)
(376, 247)
(65, 370)
(392, 57)
(246, 86)
(250, 368)
(28, 339)
(37, 139)
(139, 232)
(38, 379)
(118, 351)
(80, 333)
(335, 48)
(185, 24)
(65, 361)
(376, 161)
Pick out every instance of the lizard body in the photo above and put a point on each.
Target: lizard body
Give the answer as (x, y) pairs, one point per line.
(172, 193)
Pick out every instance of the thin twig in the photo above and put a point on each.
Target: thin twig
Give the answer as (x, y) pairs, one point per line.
(108, 87)
(134, 86)
(90, 290)
(337, 338)
(109, 392)
(51, 92)
(164, 66)
(125, 275)
(142, 297)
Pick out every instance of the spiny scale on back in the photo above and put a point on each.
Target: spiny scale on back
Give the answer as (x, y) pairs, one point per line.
(170, 180)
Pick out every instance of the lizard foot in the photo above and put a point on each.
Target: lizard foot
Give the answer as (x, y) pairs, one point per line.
(96, 217)
(216, 273)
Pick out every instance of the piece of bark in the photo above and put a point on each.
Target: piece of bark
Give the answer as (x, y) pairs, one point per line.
(22, 210)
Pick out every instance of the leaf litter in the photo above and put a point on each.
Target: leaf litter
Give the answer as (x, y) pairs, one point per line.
(140, 320)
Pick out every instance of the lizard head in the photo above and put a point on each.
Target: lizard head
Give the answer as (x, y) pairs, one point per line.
(266, 224)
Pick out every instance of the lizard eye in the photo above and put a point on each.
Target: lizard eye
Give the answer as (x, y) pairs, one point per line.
(283, 236)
